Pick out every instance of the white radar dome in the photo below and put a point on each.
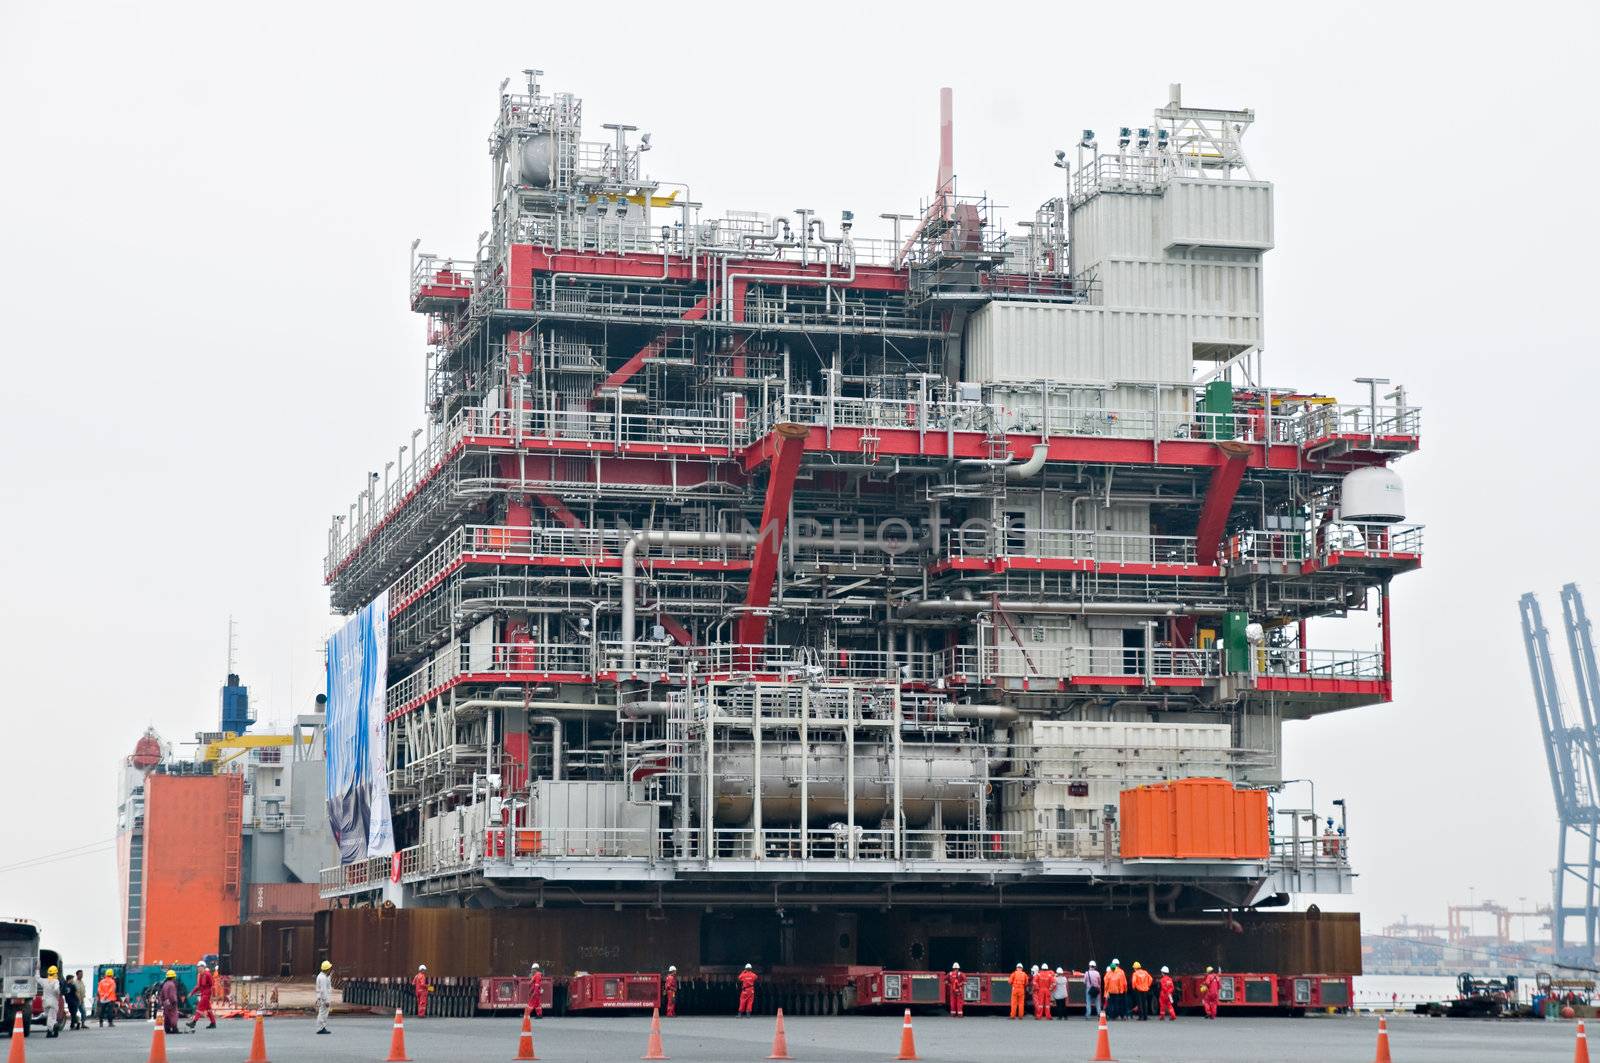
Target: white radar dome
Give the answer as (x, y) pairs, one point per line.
(1374, 495)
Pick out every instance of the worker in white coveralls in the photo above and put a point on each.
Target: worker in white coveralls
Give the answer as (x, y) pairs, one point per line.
(324, 996)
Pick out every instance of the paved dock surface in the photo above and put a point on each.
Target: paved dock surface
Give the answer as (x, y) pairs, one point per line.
(1318, 1039)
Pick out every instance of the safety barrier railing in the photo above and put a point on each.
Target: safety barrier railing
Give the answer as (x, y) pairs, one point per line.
(1297, 662)
(1329, 851)
(372, 871)
(978, 663)
(1374, 540)
(1255, 547)
(1107, 547)
(1353, 419)
(452, 278)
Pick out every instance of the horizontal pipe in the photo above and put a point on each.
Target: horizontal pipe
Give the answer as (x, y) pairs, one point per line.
(954, 606)
(1225, 920)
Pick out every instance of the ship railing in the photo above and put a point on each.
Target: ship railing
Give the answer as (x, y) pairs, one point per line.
(1105, 547)
(1028, 660)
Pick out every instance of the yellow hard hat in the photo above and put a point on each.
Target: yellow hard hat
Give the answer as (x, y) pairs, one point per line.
(1136, 965)
(326, 966)
(52, 969)
(172, 974)
(110, 973)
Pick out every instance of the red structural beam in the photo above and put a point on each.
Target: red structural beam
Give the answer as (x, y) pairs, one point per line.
(526, 260)
(752, 625)
(1224, 487)
(650, 350)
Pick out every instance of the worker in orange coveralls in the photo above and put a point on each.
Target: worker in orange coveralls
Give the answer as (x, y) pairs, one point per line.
(1115, 985)
(1141, 990)
(747, 990)
(420, 984)
(670, 987)
(1211, 993)
(956, 982)
(1019, 992)
(536, 993)
(1164, 991)
(1043, 983)
(203, 985)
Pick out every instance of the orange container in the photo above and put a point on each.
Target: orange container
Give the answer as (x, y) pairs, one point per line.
(1194, 819)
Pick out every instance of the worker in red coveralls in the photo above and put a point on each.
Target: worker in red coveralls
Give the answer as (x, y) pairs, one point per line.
(1164, 990)
(1211, 993)
(1042, 986)
(670, 987)
(957, 983)
(420, 984)
(747, 990)
(204, 983)
(536, 993)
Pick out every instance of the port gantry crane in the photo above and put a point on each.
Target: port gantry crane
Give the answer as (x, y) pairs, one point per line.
(1573, 750)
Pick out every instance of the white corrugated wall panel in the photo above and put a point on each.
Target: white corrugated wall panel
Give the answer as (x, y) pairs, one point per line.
(1112, 224)
(1200, 213)
(1019, 341)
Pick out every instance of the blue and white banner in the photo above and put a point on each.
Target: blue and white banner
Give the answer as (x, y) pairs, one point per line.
(358, 735)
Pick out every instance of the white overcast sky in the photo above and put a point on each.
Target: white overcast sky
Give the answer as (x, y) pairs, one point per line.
(205, 211)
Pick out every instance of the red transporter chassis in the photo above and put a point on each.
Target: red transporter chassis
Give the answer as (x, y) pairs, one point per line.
(1257, 992)
(583, 993)
(845, 989)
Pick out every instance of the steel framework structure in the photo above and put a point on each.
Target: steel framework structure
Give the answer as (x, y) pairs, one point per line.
(726, 518)
(1572, 748)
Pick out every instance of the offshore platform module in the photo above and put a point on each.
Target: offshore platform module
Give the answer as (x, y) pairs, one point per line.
(746, 561)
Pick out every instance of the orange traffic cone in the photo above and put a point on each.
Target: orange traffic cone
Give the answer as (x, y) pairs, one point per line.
(1383, 1042)
(654, 1049)
(1102, 1043)
(258, 1044)
(397, 1042)
(908, 1043)
(19, 1043)
(780, 1043)
(1580, 1053)
(158, 1045)
(525, 1042)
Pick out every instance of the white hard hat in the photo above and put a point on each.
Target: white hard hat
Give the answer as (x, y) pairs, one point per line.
(536, 966)
(670, 968)
(422, 967)
(1093, 964)
(1060, 971)
(747, 967)
(1019, 966)
(1034, 968)
(1164, 971)
(202, 963)
(1115, 961)
(955, 967)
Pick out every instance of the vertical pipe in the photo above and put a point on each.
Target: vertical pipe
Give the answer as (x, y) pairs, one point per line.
(805, 757)
(759, 848)
(899, 810)
(850, 775)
